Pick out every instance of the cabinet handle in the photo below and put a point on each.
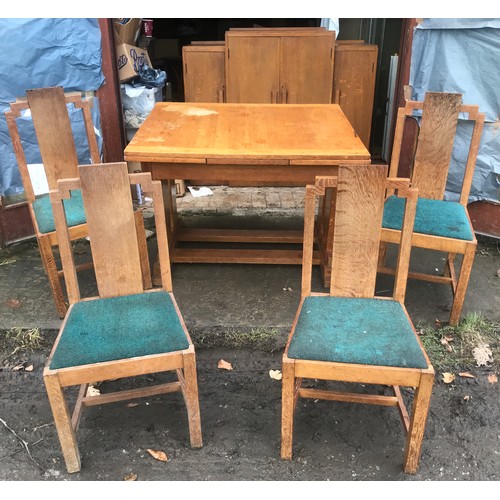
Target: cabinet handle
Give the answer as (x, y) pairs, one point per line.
(274, 97)
(337, 97)
(284, 95)
(220, 94)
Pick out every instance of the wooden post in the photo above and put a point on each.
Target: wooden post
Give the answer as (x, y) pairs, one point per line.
(109, 95)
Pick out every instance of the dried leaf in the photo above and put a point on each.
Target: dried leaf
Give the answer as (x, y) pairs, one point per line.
(448, 378)
(132, 405)
(446, 345)
(275, 374)
(438, 323)
(492, 378)
(131, 476)
(482, 354)
(224, 365)
(159, 455)
(449, 338)
(466, 398)
(25, 367)
(13, 303)
(93, 391)
(466, 375)
(498, 273)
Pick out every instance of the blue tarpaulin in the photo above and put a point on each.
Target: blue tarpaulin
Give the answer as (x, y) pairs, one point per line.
(45, 53)
(463, 55)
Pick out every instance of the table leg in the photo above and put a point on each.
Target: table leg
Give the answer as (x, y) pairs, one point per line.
(170, 203)
(172, 223)
(326, 222)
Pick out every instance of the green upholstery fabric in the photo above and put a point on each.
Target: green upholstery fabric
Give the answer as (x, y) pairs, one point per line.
(73, 207)
(119, 328)
(434, 217)
(350, 330)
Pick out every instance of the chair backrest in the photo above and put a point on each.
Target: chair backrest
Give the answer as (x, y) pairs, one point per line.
(359, 207)
(53, 132)
(109, 213)
(438, 126)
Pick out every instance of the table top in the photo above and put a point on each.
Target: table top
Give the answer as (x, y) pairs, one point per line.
(180, 130)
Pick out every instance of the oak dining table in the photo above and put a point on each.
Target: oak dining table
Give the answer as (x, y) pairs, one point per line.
(250, 143)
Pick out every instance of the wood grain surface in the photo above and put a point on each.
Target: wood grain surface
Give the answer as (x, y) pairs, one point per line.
(105, 191)
(358, 221)
(435, 143)
(246, 131)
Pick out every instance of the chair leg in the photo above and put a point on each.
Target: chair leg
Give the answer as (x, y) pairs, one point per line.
(462, 283)
(192, 400)
(62, 419)
(51, 270)
(450, 261)
(417, 423)
(287, 408)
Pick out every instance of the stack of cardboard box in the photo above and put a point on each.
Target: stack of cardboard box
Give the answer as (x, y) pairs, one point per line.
(129, 57)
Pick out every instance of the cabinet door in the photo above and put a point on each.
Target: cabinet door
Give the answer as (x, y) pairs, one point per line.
(354, 85)
(203, 69)
(306, 69)
(252, 68)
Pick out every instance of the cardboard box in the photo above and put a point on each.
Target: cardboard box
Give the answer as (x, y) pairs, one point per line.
(126, 30)
(129, 58)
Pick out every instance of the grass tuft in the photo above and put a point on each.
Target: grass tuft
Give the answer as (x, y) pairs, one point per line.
(452, 347)
(17, 340)
(259, 338)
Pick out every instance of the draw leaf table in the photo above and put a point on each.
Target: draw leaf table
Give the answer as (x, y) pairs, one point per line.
(252, 143)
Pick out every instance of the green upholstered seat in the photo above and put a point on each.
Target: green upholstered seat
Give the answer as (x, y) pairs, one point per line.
(73, 207)
(433, 217)
(119, 328)
(351, 330)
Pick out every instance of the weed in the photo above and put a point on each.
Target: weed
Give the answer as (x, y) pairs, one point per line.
(19, 339)
(255, 338)
(452, 346)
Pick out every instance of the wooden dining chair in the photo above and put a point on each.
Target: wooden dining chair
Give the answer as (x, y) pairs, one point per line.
(348, 334)
(440, 225)
(54, 135)
(124, 331)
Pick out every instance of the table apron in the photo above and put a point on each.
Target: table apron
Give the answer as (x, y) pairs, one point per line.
(304, 173)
